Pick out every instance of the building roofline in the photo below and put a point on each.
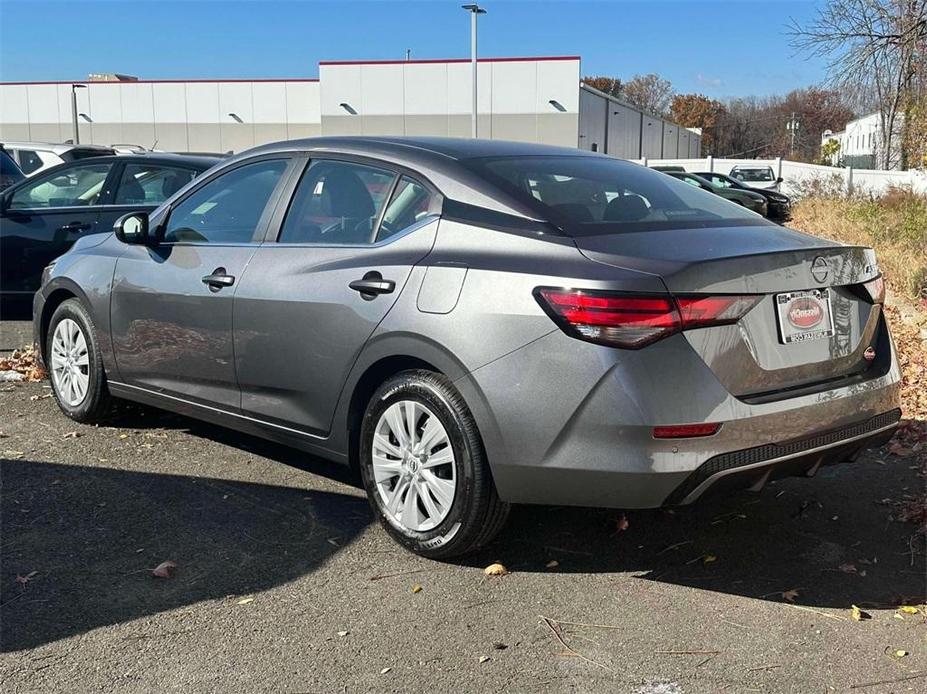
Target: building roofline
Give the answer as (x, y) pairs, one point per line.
(428, 61)
(167, 81)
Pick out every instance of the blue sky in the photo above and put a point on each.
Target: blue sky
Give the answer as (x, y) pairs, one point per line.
(723, 49)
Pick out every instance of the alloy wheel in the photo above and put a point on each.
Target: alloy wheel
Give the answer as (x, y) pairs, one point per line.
(413, 466)
(70, 362)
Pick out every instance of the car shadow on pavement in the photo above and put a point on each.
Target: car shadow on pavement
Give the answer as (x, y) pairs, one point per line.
(831, 539)
(93, 535)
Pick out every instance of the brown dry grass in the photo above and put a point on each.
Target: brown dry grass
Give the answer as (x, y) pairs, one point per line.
(895, 225)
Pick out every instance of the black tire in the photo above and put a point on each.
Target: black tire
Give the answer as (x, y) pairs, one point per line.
(476, 514)
(96, 402)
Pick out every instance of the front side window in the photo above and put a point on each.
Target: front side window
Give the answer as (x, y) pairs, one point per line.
(228, 208)
(598, 195)
(336, 203)
(76, 186)
(147, 184)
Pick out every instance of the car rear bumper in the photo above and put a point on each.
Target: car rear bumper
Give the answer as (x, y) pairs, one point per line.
(569, 423)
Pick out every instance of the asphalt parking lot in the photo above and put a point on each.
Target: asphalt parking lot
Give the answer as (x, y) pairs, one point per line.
(284, 584)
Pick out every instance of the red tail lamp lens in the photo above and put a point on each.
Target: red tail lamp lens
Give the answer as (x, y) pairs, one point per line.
(631, 322)
(876, 289)
(701, 311)
(611, 319)
(686, 431)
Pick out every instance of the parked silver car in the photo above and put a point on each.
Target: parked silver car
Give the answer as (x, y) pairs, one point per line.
(478, 323)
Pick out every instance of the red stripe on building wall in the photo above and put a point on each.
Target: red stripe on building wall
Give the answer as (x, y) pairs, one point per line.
(450, 60)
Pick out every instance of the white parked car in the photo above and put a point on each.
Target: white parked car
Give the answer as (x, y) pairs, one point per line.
(34, 157)
(756, 176)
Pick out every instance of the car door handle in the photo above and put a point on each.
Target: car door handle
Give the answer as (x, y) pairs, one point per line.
(372, 285)
(218, 279)
(75, 226)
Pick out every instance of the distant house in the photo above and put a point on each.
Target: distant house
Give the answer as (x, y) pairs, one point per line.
(862, 144)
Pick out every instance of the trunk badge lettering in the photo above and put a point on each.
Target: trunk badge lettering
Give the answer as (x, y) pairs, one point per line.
(819, 270)
(869, 354)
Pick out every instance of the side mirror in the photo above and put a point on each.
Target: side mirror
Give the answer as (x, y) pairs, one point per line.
(779, 180)
(132, 228)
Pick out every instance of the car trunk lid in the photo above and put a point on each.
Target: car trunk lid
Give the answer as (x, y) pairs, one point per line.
(755, 356)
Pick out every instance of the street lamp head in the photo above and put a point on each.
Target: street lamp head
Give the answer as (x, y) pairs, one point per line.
(78, 86)
(473, 7)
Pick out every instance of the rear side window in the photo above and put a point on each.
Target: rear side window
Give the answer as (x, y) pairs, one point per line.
(76, 186)
(146, 184)
(410, 203)
(599, 195)
(29, 161)
(228, 208)
(337, 203)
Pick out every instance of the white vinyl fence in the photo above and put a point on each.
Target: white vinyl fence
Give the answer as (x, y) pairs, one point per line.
(798, 175)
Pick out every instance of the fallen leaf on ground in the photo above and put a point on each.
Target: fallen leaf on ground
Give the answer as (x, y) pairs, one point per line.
(499, 646)
(496, 569)
(484, 658)
(552, 564)
(164, 569)
(416, 588)
(900, 653)
(708, 558)
(385, 670)
(23, 580)
(908, 609)
(847, 568)
(790, 595)
(71, 435)
(343, 633)
(858, 615)
(123, 436)
(245, 601)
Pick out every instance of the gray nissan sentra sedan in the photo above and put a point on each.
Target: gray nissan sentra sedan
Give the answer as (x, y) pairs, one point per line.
(477, 323)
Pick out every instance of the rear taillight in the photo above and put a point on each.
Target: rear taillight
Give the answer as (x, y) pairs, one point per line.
(876, 290)
(634, 321)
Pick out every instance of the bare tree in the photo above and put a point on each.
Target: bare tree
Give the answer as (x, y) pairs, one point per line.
(650, 93)
(875, 48)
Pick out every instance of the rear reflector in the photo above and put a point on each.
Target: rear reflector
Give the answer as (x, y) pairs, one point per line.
(633, 321)
(686, 431)
(876, 290)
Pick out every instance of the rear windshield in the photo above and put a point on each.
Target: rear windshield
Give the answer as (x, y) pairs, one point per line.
(586, 196)
(764, 175)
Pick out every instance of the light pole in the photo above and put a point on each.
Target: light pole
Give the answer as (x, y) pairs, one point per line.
(474, 11)
(74, 88)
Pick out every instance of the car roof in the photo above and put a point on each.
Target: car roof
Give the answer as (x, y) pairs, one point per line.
(55, 146)
(196, 162)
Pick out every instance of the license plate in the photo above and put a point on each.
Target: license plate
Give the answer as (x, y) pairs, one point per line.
(804, 315)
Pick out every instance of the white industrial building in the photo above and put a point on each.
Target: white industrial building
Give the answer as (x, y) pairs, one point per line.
(539, 99)
(862, 143)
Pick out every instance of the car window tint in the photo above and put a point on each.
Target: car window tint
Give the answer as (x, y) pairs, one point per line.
(410, 203)
(75, 186)
(227, 209)
(29, 161)
(336, 202)
(147, 184)
(586, 195)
